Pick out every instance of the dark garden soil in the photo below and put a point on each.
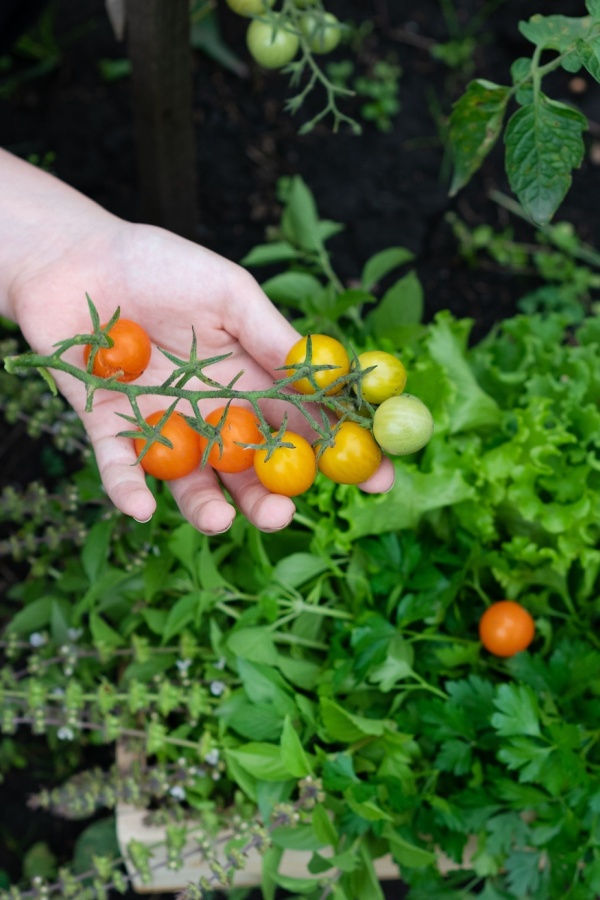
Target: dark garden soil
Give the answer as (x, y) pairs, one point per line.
(388, 188)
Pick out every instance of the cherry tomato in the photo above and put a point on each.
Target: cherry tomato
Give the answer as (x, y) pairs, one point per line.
(322, 31)
(354, 457)
(129, 354)
(168, 463)
(386, 380)
(289, 470)
(272, 46)
(249, 7)
(240, 427)
(325, 351)
(506, 628)
(402, 425)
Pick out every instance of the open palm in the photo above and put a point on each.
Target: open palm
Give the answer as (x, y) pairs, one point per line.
(169, 286)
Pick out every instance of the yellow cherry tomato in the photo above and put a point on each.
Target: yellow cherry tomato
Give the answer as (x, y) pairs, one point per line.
(387, 379)
(325, 351)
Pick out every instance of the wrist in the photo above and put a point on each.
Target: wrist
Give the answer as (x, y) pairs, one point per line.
(42, 220)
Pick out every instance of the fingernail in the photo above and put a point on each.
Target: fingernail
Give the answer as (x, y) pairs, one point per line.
(215, 533)
(279, 528)
(142, 521)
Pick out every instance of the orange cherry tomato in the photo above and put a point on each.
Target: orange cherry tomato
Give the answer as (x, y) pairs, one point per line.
(289, 470)
(240, 426)
(506, 628)
(169, 463)
(354, 457)
(325, 351)
(129, 354)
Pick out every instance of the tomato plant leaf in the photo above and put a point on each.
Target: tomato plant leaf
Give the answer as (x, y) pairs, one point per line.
(588, 52)
(554, 32)
(475, 125)
(543, 145)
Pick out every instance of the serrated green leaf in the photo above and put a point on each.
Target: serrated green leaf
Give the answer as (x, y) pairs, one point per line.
(526, 756)
(554, 32)
(593, 7)
(475, 125)
(517, 711)
(588, 52)
(543, 145)
(454, 756)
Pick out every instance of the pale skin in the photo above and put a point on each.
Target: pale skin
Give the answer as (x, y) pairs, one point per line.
(57, 245)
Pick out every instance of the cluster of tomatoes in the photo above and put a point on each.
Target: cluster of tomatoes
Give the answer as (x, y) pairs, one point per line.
(401, 424)
(275, 40)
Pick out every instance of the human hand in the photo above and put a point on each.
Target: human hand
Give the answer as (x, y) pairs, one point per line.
(168, 285)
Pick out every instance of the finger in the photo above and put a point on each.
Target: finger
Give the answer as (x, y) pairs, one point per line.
(383, 479)
(123, 480)
(267, 511)
(201, 500)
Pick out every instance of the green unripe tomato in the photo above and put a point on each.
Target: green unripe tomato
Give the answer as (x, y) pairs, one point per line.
(271, 46)
(249, 7)
(387, 379)
(322, 32)
(402, 425)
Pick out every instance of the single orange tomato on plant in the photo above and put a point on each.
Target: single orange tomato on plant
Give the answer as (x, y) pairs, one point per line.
(129, 354)
(289, 470)
(240, 426)
(354, 457)
(325, 351)
(506, 628)
(169, 463)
